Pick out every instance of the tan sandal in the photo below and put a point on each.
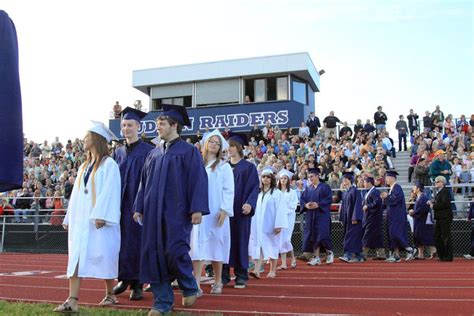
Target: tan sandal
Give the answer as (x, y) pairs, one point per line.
(108, 300)
(66, 307)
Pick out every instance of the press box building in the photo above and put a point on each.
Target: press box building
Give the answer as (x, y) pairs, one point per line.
(281, 89)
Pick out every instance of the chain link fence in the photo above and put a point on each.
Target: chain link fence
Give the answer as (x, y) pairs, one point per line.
(40, 231)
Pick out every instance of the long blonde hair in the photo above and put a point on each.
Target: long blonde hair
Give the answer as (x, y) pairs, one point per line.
(97, 153)
(205, 150)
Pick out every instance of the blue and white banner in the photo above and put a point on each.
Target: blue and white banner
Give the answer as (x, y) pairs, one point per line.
(238, 117)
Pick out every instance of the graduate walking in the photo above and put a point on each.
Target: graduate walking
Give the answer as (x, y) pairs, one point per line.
(246, 187)
(395, 204)
(423, 225)
(316, 201)
(130, 159)
(93, 220)
(173, 195)
(290, 201)
(372, 222)
(267, 223)
(351, 216)
(210, 240)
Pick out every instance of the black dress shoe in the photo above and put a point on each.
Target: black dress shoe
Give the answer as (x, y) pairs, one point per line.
(136, 294)
(148, 288)
(120, 287)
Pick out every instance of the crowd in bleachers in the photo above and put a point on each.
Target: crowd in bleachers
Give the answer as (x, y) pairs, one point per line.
(331, 145)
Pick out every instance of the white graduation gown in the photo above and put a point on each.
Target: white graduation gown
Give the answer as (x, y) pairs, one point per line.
(208, 240)
(95, 251)
(290, 200)
(270, 213)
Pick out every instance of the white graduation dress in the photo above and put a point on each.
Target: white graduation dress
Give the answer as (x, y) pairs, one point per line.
(95, 251)
(270, 213)
(210, 242)
(290, 200)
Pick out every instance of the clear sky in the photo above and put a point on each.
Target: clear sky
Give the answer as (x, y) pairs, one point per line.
(77, 57)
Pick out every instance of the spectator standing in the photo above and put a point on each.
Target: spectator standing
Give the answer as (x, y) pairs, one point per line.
(313, 123)
(380, 119)
(412, 122)
(402, 129)
(303, 131)
(438, 114)
(330, 124)
(427, 122)
(444, 217)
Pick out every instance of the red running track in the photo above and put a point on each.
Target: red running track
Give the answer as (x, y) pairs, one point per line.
(370, 288)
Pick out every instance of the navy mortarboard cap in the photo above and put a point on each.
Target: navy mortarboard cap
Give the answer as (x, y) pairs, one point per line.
(420, 186)
(177, 112)
(132, 114)
(392, 173)
(369, 179)
(313, 171)
(239, 138)
(349, 175)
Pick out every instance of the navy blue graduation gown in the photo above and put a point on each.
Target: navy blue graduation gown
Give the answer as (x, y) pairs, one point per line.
(246, 188)
(130, 166)
(397, 218)
(173, 186)
(317, 228)
(373, 221)
(423, 234)
(11, 141)
(351, 208)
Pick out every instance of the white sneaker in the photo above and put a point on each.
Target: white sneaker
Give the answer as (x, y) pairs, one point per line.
(469, 257)
(411, 254)
(315, 261)
(330, 258)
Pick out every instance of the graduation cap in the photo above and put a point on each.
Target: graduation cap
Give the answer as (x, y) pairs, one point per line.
(349, 175)
(132, 114)
(391, 173)
(313, 171)
(239, 138)
(177, 112)
(268, 170)
(420, 186)
(285, 173)
(224, 144)
(369, 179)
(102, 130)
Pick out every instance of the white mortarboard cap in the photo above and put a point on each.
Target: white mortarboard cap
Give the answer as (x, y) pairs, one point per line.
(268, 170)
(224, 144)
(284, 172)
(102, 130)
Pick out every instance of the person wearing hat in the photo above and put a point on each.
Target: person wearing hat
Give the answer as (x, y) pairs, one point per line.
(130, 159)
(316, 201)
(290, 200)
(172, 197)
(93, 219)
(423, 230)
(246, 187)
(372, 223)
(351, 216)
(443, 214)
(267, 223)
(394, 201)
(210, 240)
(441, 166)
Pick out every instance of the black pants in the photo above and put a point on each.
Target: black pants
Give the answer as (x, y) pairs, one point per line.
(443, 240)
(241, 274)
(410, 172)
(472, 239)
(402, 137)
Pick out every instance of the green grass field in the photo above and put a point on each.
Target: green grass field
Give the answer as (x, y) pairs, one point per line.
(26, 309)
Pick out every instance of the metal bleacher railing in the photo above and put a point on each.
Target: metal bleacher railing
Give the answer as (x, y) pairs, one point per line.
(40, 231)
